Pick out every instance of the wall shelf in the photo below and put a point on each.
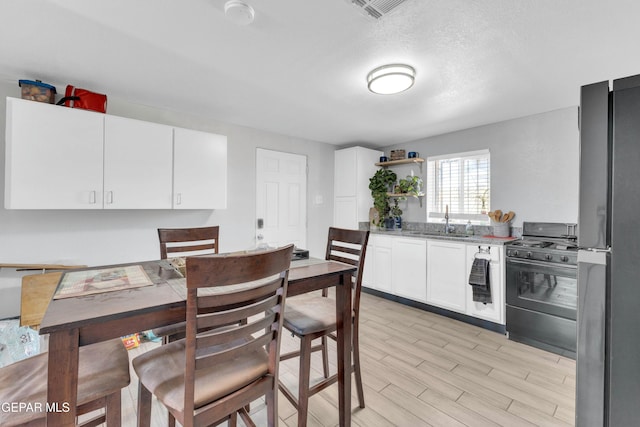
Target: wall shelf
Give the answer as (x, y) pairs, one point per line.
(419, 161)
(407, 195)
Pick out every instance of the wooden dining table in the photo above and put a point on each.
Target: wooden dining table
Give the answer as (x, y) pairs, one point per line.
(77, 321)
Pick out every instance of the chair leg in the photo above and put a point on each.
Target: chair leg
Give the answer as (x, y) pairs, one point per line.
(113, 409)
(303, 386)
(325, 357)
(144, 406)
(233, 420)
(271, 399)
(171, 420)
(356, 364)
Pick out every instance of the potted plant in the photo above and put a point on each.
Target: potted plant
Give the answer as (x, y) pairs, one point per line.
(483, 201)
(396, 213)
(411, 185)
(379, 184)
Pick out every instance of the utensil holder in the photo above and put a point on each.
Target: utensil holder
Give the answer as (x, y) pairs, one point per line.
(501, 229)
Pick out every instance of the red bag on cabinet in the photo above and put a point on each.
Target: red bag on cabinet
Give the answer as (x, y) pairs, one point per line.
(75, 97)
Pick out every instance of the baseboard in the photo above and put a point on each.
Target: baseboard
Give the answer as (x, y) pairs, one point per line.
(495, 327)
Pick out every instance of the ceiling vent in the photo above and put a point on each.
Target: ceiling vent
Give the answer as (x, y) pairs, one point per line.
(376, 8)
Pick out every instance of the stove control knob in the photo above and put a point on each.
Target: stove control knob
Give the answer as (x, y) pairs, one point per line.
(564, 258)
(548, 257)
(515, 253)
(529, 254)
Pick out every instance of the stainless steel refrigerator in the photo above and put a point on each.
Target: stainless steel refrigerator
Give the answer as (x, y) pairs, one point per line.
(608, 321)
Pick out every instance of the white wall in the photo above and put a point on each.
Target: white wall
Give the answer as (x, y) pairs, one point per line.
(106, 237)
(534, 165)
(534, 172)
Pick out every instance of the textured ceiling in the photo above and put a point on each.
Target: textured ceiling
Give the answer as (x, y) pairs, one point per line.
(300, 68)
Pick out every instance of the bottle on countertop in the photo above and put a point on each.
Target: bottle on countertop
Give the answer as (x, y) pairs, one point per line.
(469, 228)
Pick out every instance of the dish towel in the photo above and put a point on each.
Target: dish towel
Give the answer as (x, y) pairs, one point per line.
(479, 281)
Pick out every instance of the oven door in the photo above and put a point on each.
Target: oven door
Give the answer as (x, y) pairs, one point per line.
(542, 287)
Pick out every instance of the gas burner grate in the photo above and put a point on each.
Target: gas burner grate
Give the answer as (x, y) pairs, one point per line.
(531, 243)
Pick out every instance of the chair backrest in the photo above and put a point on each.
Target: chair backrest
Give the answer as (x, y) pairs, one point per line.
(224, 291)
(188, 241)
(350, 247)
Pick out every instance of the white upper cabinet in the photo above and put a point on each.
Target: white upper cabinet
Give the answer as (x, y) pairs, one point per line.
(345, 212)
(200, 170)
(137, 164)
(65, 158)
(53, 157)
(352, 198)
(345, 163)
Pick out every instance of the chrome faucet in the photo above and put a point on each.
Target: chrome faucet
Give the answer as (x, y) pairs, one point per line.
(447, 228)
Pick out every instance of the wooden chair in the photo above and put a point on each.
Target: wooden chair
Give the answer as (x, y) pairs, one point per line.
(188, 241)
(103, 372)
(213, 374)
(178, 242)
(315, 317)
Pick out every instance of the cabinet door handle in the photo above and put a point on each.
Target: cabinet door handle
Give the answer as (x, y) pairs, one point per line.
(109, 197)
(92, 197)
(179, 199)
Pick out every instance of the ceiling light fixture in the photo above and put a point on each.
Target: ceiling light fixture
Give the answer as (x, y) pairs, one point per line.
(390, 79)
(239, 12)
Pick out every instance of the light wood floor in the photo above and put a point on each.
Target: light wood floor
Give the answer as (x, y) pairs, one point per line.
(421, 369)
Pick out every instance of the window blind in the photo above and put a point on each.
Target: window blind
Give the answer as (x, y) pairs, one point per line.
(461, 182)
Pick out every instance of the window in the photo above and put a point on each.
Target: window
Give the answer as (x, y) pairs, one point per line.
(460, 182)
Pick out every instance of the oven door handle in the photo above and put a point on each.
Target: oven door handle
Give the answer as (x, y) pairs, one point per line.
(540, 264)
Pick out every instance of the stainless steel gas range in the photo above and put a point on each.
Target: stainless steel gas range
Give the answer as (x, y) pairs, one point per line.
(541, 287)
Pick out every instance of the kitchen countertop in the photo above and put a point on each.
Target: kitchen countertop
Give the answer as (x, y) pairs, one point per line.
(457, 237)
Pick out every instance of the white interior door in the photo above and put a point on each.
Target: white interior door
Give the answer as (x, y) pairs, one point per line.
(281, 198)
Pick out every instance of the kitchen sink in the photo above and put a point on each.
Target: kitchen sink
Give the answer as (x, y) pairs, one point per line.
(437, 233)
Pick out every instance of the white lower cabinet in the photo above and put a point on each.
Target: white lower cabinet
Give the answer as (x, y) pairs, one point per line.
(409, 268)
(447, 274)
(368, 274)
(493, 311)
(377, 272)
(448, 267)
(435, 272)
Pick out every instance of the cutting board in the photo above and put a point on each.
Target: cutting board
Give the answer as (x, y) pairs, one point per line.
(37, 290)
